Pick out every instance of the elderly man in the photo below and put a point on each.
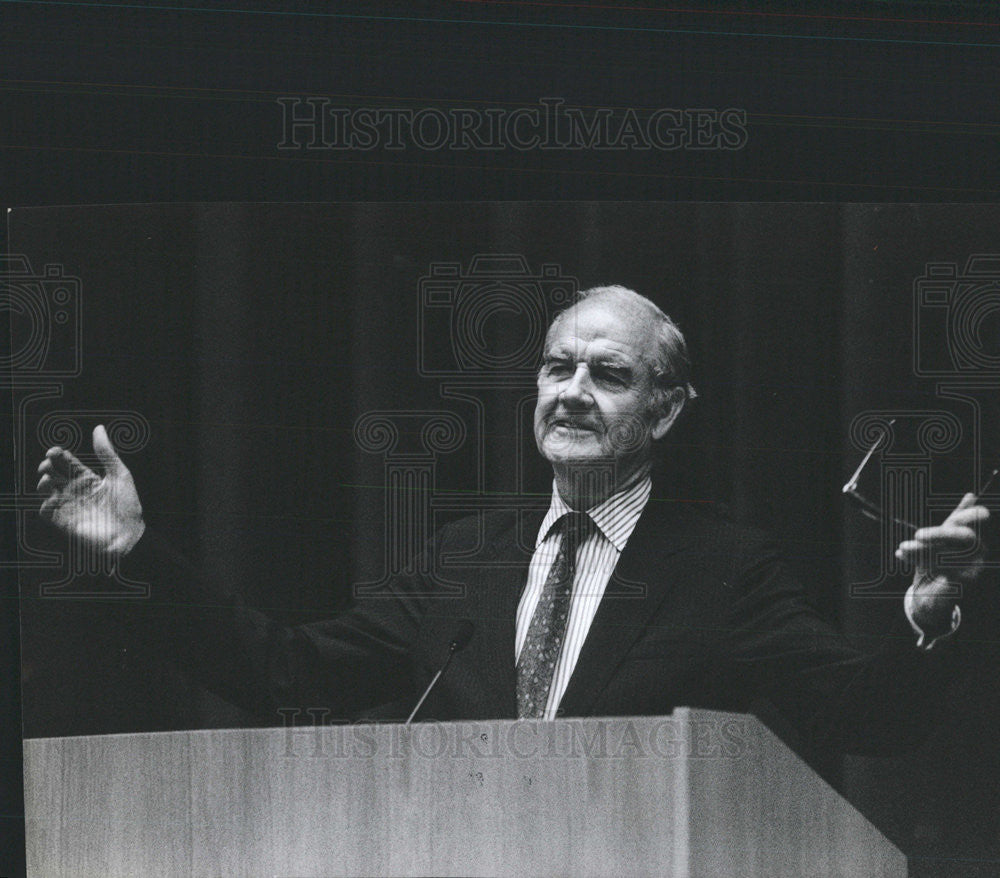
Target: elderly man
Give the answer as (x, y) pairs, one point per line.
(613, 605)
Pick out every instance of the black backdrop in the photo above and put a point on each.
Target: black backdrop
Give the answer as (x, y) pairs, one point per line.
(115, 100)
(251, 337)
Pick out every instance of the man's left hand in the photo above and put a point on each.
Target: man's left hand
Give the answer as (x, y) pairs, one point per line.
(931, 600)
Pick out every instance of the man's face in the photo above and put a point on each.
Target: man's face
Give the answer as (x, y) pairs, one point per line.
(595, 389)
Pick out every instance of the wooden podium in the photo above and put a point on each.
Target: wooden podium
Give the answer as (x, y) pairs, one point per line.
(697, 793)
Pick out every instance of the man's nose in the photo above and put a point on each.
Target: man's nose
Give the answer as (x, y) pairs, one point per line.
(578, 388)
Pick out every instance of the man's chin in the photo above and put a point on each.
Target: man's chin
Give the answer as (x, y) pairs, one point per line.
(575, 453)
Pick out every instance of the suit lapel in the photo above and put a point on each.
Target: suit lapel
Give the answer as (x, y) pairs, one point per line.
(636, 590)
(502, 578)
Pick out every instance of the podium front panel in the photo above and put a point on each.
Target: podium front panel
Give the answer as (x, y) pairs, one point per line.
(695, 793)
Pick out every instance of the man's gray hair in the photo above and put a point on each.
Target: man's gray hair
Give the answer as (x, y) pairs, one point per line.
(672, 366)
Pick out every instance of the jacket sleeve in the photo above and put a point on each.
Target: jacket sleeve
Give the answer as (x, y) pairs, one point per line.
(875, 700)
(358, 659)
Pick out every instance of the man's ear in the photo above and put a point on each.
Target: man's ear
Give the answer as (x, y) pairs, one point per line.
(664, 417)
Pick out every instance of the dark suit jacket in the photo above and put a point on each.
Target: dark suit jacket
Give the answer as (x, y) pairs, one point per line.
(699, 612)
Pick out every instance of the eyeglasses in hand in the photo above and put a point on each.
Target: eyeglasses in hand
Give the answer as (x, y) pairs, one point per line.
(874, 510)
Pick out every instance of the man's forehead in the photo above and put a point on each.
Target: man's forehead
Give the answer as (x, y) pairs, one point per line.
(602, 326)
(594, 348)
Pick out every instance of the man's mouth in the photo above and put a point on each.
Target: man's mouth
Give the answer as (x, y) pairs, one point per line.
(570, 424)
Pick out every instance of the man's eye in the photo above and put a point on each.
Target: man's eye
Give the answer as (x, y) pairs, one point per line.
(556, 368)
(609, 376)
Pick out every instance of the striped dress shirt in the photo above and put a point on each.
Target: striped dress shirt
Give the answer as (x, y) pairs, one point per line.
(596, 557)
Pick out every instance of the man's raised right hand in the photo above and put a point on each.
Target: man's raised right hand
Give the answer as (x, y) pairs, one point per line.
(101, 511)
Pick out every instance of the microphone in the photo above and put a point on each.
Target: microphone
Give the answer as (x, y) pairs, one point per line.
(461, 639)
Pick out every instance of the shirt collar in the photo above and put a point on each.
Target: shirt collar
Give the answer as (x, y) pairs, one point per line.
(615, 517)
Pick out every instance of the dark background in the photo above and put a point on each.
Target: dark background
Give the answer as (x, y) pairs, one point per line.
(252, 337)
(878, 101)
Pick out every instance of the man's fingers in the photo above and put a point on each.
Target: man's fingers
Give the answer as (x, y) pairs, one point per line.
(909, 547)
(105, 452)
(968, 515)
(58, 478)
(58, 460)
(49, 506)
(45, 485)
(946, 533)
(951, 538)
(63, 464)
(956, 534)
(967, 501)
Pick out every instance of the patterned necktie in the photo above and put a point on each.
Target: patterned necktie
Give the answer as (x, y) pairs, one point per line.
(537, 662)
